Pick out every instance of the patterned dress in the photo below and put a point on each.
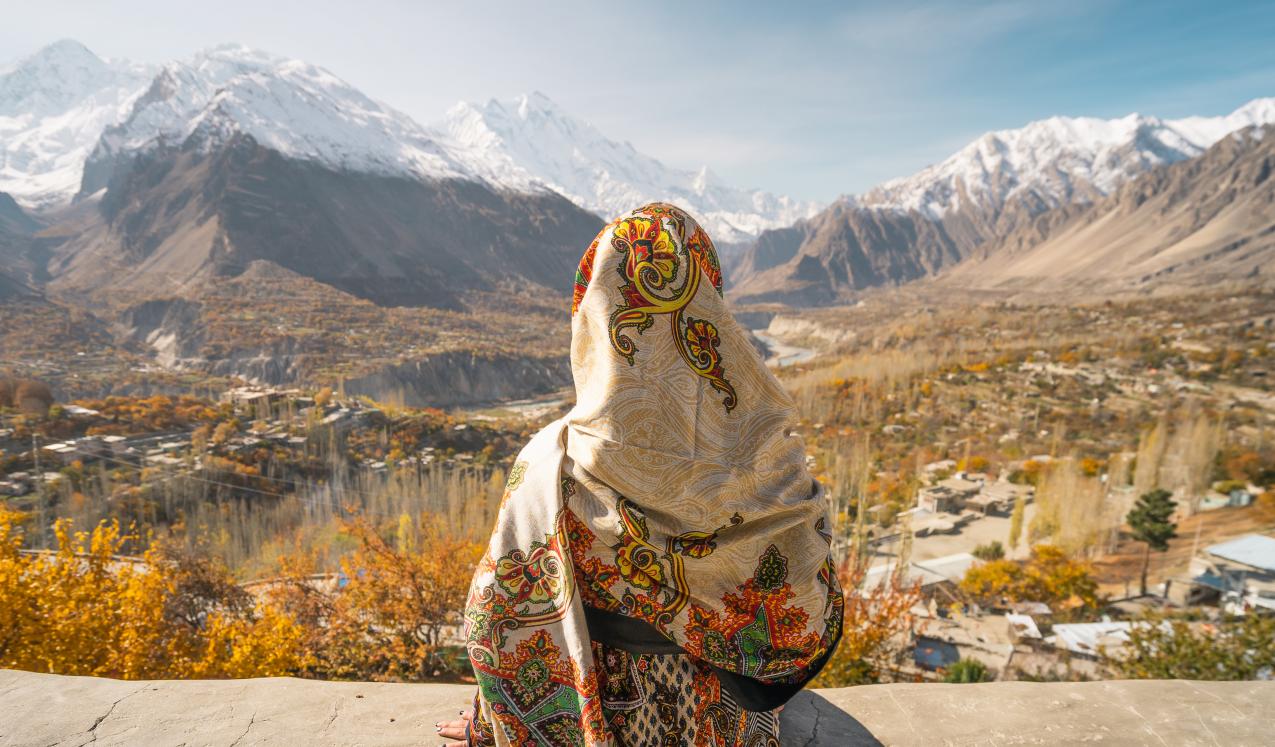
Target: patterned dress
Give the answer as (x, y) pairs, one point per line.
(672, 700)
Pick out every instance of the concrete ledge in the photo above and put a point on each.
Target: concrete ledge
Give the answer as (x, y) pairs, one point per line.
(49, 710)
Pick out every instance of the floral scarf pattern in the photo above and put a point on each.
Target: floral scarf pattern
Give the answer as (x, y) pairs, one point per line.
(672, 493)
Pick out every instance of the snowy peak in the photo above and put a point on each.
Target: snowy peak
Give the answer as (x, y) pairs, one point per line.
(1057, 160)
(529, 141)
(54, 105)
(53, 79)
(300, 110)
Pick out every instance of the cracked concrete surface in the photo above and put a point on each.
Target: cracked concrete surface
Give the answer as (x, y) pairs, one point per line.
(53, 711)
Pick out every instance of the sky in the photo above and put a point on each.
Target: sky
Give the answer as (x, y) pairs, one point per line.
(812, 100)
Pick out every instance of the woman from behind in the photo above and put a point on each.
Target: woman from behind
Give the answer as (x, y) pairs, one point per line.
(660, 571)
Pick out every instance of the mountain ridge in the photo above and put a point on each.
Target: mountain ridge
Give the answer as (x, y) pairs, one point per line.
(893, 236)
(306, 112)
(531, 140)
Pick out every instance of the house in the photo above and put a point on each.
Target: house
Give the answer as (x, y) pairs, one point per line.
(933, 575)
(999, 497)
(942, 465)
(1239, 574)
(1090, 640)
(949, 496)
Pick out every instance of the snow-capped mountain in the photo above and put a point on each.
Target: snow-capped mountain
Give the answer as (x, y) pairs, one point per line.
(294, 108)
(529, 140)
(1059, 160)
(54, 105)
(68, 117)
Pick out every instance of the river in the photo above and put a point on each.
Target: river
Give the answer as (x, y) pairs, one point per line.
(782, 354)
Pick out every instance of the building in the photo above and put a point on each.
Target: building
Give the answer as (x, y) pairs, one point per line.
(1090, 640)
(1238, 574)
(999, 497)
(948, 496)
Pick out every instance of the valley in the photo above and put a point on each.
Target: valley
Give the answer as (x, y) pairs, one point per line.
(255, 317)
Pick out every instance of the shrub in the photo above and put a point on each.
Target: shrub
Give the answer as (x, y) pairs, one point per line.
(993, 550)
(966, 671)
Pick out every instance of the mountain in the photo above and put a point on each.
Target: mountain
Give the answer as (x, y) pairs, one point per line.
(18, 247)
(236, 157)
(179, 218)
(14, 221)
(54, 105)
(296, 109)
(530, 141)
(1210, 219)
(1058, 161)
(840, 250)
(917, 227)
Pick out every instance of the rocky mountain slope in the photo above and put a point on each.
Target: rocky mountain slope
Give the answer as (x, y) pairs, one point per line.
(530, 140)
(917, 227)
(17, 248)
(1210, 219)
(178, 218)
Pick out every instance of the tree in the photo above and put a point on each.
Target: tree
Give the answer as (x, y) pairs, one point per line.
(876, 621)
(83, 609)
(1232, 649)
(1049, 576)
(966, 671)
(1150, 521)
(1016, 521)
(385, 619)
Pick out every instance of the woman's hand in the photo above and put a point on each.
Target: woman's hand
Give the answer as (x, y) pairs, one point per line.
(456, 729)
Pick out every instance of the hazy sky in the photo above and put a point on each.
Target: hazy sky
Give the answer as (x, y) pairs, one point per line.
(816, 101)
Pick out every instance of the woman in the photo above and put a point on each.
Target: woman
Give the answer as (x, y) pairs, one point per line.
(660, 571)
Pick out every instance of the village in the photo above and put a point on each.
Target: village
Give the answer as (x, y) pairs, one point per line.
(958, 453)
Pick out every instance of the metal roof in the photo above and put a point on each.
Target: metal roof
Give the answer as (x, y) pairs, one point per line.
(1090, 638)
(1255, 550)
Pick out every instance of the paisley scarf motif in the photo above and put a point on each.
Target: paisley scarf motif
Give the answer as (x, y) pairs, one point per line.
(672, 493)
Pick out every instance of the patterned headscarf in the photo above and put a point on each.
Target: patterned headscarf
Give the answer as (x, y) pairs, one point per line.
(672, 493)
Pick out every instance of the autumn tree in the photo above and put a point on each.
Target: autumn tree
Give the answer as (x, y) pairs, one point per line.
(1151, 523)
(875, 631)
(383, 616)
(1016, 521)
(1048, 576)
(84, 609)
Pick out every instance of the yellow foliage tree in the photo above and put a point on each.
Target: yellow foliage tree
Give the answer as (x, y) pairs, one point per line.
(83, 609)
(1049, 576)
(384, 616)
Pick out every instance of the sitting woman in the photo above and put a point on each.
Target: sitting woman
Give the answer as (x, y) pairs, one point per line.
(659, 573)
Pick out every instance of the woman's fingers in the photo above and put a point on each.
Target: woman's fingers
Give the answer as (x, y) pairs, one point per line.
(452, 729)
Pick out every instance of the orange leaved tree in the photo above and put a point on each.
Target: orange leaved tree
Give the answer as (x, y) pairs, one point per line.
(876, 632)
(394, 606)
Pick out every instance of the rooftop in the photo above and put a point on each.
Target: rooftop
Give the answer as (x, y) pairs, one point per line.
(1255, 550)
